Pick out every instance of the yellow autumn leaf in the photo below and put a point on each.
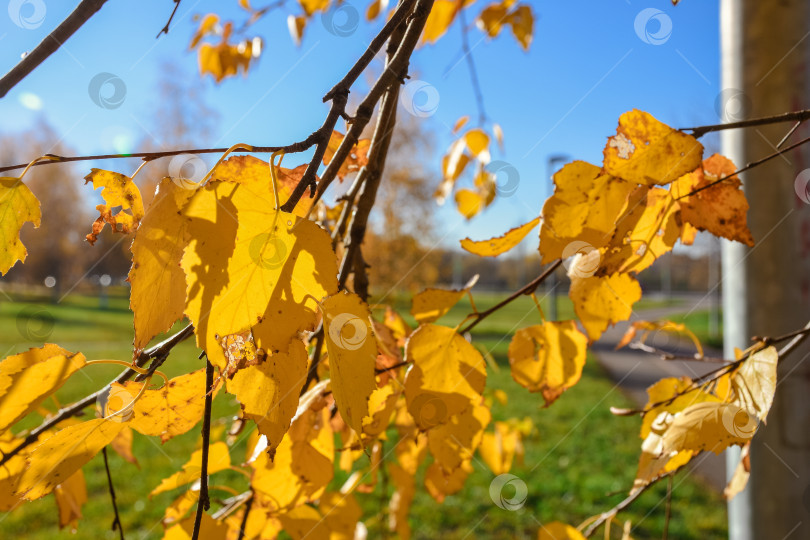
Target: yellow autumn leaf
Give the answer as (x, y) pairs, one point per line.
(709, 426)
(446, 376)
(739, 478)
(582, 212)
(666, 392)
(720, 209)
(649, 152)
(470, 203)
(557, 530)
(268, 391)
(10, 471)
(335, 518)
(171, 410)
(70, 496)
(296, 26)
(352, 351)
(117, 190)
(492, 18)
(548, 358)
(460, 123)
(477, 141)
(648, 229)
(441, 17)
(375, 8)
(753, 383)
(210, 529)
(28, 378)
(399, 505)
(248, 264)
(499, 447)
(432, 304)
(311, 6)
(452, 443)
(157, 296)
(397, 324)
(122, 444)
(357, 158)
(61, 455)
(18, 205)
(302, 465)
(500, 244)
(441, 483)
(219, 459)
(381, 406)
(522, 22)
(600, 301)
(207, 25)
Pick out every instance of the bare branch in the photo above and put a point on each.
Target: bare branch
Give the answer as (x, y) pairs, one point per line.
(116, 524)
(794, 116)
(165, 29)
(529, 288)
(49, 45)
(203, 503)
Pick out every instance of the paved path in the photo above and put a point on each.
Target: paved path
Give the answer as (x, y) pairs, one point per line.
(634, 371)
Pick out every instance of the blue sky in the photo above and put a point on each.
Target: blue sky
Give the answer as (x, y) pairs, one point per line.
(586, 66)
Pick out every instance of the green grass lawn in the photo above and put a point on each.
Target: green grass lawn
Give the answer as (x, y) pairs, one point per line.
(580, 461)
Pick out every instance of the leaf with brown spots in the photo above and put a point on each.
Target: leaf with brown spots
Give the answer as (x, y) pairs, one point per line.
(720, 209)
(117, 190)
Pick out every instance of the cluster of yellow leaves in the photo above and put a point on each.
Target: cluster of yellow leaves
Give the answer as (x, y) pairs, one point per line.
(684, 417)
(117, 190)
(223, 59)
(490, 20)
(518, 16)
(472, 147)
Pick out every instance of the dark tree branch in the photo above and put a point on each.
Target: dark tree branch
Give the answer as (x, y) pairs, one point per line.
(529, 288)
(605, 516)
(243, 525)
(795, 116)
(49, 45)
(395, 71)
(165, 29)
(203, 503)
(161, 350)
(116, 524)
(339, 96)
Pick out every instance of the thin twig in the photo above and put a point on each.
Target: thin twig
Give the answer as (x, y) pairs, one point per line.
(751, 165)
(605, 516)
(396, 70)
(339, 95)
(668, 510)
(83, 12)
(116, 524)
(160, 350)
(790, 132)
(775, 119)
(476, 85)
(529, 288)
(203, 503)
(243, 525)
(165, 29)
